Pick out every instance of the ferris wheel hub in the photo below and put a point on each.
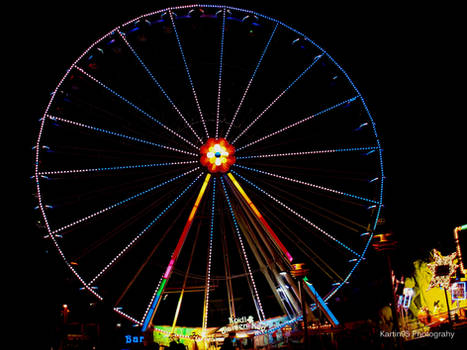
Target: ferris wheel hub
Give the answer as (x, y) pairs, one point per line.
(217, 155)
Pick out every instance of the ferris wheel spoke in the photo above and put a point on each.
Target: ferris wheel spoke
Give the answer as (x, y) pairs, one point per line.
(117, 134)
(251, 80)
(119, 203)
(254, 291)
(115, 168)
(187, 70)
(277, 132)
(219, 83)
(278, 97)
(151, 75)
(308, 184)
(142, 232)
(124, 99)
(367, 149)
(310, 223)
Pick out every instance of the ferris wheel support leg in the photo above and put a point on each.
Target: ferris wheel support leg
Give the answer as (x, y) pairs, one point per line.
(155, 303)
(320, 303)
(271, 263)
(260, 217)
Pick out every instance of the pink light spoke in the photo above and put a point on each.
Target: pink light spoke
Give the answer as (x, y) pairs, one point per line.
(151, 75)
(187, 70)
(124, 136)
(316, 227)
(285, 128)
(135, 107)
(219, 84)
(141, 233)
(123, 167)
(304, 153)
(250, 81)
(117, 204)
(277, 98)
(308, 184)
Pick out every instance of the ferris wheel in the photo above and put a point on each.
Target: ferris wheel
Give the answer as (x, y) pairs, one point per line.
(191, 156)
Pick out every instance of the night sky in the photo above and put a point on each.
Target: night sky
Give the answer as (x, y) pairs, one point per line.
(407, 63)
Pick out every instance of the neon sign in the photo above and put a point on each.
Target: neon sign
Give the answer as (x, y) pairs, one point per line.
(243, 324)
(459, 291)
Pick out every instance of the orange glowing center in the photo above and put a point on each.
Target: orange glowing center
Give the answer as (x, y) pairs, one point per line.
(217, 155)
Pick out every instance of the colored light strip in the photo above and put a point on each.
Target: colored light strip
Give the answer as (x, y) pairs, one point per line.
(277, 98)
(256, 299)
(158, 122)
(108, 132)
(187, 227)
(138, 236)
(208, 268)
(126, 200)
(285, 128)
(148, 71)
(305, 153)
(154, 304)
(219, 84)
(175, 254)
(327, 311)
(299, 216)
(187, 70)
(260, 217)
(251, 81)
(322, 188)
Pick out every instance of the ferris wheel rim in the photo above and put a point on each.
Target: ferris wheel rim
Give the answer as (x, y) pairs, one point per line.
(52, 233)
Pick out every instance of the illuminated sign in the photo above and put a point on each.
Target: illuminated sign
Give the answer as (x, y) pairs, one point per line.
(459, 291)
(133, 339)
(243, 324)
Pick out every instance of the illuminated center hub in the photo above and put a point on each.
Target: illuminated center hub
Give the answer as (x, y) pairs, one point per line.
(217, 155)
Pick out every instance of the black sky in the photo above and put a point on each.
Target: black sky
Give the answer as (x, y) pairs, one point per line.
(407, 62)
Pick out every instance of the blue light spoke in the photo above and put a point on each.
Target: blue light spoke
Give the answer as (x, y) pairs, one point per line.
(151, 75)
(124, 201)
(278, 97)
(251, 80)
(144, 230)
(135, 106)
(316, 227)
(318, 187)
(285, 128)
